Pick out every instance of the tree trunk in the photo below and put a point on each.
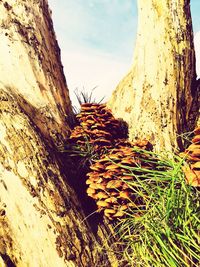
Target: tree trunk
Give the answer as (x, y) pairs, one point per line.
(30, 66)
(41, 220)
(156, 97)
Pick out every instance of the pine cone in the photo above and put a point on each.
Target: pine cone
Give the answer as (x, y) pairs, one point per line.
(108, 180)
(192, 156)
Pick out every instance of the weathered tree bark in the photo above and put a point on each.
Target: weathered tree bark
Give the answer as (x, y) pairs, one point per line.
(30, 66)
(156, 97)
(41, 221)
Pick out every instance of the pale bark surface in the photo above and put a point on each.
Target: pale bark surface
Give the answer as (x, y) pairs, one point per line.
(156, 97)
(41, 223)
(30, 66)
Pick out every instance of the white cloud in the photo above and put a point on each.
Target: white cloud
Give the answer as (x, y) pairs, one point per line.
(86, 68)
(107, 25)
(96, 41)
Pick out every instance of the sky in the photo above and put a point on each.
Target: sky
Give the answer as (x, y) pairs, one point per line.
(97, 39)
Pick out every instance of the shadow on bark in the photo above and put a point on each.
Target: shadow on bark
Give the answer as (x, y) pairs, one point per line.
(77, 177)
(7, 260)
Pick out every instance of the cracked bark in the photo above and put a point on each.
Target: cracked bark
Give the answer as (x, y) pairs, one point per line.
(158, 96)
(41, 220)
(31, 66)
(40, 216)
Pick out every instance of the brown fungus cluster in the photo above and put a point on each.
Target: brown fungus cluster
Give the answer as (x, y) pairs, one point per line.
(120, 162)
(98, 127)
(108, 181)
(108, 177)
(192, 156)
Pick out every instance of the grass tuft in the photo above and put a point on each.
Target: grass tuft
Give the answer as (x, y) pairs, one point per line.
(84, 154)
(165, 230)
(84, 97)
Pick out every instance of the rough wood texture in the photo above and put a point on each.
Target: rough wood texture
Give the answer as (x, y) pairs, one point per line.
(156, 97)
(30, 66)
(41, 221)
(40, 224)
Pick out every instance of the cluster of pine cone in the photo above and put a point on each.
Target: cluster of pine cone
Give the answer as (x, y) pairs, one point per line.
(192, 156)
(109, 178)
(98, 127)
